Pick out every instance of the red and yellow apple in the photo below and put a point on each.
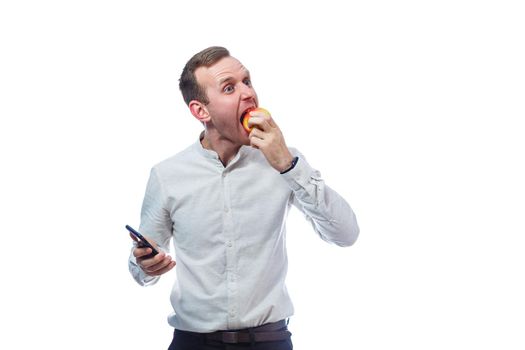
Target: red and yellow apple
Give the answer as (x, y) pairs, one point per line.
(245, 117)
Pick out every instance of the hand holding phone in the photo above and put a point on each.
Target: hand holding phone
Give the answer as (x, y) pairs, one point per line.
(151, 264)
(142, 242)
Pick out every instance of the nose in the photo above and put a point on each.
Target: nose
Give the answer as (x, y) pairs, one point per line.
(247, 92)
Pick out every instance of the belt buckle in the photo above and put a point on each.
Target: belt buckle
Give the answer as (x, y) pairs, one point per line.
(230, 337)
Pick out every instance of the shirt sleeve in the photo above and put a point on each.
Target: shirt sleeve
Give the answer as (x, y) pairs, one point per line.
(330, 215)
(155, 224)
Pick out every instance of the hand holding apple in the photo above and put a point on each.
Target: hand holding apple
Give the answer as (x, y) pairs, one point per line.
(266, 136)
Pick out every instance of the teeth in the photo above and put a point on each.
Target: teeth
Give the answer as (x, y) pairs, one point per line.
(246, 112)
(244, 121)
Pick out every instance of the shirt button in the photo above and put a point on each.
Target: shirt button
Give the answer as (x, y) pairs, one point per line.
(230, 244)
(226, 209)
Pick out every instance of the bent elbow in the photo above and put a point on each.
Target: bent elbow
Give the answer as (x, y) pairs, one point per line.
(350, 237)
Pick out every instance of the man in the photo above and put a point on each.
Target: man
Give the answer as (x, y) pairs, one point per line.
(224, 201)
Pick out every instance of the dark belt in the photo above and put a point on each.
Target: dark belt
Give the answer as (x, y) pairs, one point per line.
(265, 333)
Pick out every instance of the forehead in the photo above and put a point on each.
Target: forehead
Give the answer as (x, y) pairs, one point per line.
(224, 69)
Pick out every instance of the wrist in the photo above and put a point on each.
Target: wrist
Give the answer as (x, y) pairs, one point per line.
(290, 165)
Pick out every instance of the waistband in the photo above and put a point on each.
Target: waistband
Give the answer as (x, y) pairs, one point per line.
(267, 332)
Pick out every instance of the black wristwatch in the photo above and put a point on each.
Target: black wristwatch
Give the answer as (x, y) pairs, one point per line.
(294, 162)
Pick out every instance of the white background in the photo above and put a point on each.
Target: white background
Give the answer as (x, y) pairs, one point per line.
(410, 109)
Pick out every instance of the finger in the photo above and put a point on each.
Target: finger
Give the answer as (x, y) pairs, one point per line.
(157, 260)
(265, 137)
(261, 113)
(140, 252)
(256, 132)
(256, 142)
(264, 115)
(147, 263)
(259, 122)
(159, 265)
(270, 121)
(170, 266)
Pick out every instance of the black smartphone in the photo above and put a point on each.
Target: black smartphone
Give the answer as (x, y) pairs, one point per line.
(142, 242)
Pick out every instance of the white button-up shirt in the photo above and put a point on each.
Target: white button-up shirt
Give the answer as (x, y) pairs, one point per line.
(228, 230)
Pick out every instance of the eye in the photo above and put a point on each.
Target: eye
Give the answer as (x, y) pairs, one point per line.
(248, 82)
(228, 89)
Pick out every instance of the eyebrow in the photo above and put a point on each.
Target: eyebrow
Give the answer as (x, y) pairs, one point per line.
(230, 78)
(224, 80)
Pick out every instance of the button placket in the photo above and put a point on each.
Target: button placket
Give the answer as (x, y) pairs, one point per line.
(231, 258)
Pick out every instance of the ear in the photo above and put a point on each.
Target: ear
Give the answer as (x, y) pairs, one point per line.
(199, 111)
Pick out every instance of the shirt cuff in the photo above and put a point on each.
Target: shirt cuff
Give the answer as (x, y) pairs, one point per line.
(299, 176)
(139, 275)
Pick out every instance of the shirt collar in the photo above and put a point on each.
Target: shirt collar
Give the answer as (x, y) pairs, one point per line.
(208, 153)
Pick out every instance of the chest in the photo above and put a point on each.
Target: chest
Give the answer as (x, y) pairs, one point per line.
(214, 206)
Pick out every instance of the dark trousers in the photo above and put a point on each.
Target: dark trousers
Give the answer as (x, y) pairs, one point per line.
(198, 341)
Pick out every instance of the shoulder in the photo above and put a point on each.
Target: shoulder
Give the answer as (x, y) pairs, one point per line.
(178, 159)
(176, 166)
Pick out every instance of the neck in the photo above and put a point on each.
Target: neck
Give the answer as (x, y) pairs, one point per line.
(225, 148)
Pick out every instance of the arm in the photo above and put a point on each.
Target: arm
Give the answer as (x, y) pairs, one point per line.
(156, 227)
(330, 215)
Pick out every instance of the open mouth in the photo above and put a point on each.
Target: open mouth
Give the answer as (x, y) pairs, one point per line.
(244, 120)
(248, 110)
